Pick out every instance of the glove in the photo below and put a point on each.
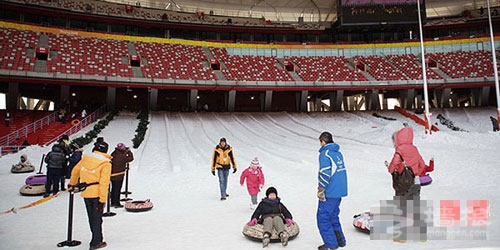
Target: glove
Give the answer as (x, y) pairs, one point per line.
(252, 222)
(289, 222)
(213, 173)
(321, 194)
(234, 171)
(70, 188)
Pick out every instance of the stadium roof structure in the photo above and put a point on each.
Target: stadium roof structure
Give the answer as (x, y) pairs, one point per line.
(291, 10)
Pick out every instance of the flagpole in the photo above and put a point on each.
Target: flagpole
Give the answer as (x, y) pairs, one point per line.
(493, 53)
(424, 73)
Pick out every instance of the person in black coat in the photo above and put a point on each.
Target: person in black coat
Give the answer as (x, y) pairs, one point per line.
(75, 157)
(56, 161)
(272, 214)
(494, 122)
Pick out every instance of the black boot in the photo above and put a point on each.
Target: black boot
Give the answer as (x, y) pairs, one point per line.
(339, 239)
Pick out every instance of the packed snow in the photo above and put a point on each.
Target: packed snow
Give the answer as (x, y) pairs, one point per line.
(172, 169)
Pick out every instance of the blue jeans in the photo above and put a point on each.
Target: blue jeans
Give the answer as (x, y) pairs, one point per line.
(328, 221)
(222, 173)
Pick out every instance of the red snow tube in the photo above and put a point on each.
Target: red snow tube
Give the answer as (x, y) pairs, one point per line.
(362, 222)
(139, 206)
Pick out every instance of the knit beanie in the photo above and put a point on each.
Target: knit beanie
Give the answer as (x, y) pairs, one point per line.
(255, 162)
(271, 190)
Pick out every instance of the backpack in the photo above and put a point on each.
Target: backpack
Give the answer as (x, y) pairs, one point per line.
(402, 182)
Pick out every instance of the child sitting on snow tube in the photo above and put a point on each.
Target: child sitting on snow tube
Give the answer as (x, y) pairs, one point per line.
(23, 166)
(273, 215)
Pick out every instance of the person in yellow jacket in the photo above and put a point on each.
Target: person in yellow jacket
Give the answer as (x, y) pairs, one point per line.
(94, 170)
(222, 159)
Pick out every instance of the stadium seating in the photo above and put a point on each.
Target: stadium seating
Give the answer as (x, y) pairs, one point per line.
(110, 57)
(380, 68)
(410, 65)
(88, 56)
(465, 64)
(14, 47)
(325, 68)
(250, 68)
(174, 61)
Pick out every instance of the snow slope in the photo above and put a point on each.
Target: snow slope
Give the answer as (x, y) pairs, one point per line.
(172, 168)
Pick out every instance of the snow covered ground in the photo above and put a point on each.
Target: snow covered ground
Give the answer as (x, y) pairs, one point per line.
(172, 168)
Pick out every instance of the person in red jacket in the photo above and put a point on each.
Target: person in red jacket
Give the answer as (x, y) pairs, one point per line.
(255, 180)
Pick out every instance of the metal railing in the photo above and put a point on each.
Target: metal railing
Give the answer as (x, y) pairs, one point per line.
(94, 116)
(23, 132)
(6, 142)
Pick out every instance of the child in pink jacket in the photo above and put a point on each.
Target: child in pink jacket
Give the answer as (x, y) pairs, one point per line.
(255, 180)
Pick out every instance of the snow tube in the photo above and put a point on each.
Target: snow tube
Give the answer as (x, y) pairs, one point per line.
(16, 169)
(32, 190)
(36, 179)
(75, 122)
(139, 206)
(362, 222)
(425, 180)
(257, 232)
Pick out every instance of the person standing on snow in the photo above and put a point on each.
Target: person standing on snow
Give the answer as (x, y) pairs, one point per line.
(332, 186)
(63, 143)
(255, 180)
(75, 157)
(405, 150)
(94, 170)
(222, 159)
(56, 163)
(121, 156)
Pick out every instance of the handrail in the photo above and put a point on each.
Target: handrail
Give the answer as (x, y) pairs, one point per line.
(28, 129)
(94, 116)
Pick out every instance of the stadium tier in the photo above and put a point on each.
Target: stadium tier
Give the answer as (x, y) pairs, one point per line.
(70, 54)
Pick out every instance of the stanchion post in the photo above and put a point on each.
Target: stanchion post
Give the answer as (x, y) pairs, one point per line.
(126, 185)
(126, 182)
(108, 210)
(69, 241)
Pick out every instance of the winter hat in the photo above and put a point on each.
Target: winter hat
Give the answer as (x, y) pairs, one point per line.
(65, 137)
(101, 147)
(271, 190)
(222, 139)
(121, 146)
(255, 162)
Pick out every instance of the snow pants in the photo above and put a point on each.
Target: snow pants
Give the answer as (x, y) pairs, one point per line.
(52, 182)
(116, 187)
(94, 212)
(273, 222)
(328, 221)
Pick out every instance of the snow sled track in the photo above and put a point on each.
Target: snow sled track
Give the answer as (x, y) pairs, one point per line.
(156, 145)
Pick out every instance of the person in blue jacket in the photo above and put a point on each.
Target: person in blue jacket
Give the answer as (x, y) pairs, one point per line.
(332, 186)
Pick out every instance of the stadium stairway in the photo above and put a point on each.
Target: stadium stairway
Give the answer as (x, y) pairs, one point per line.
(41, 137)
